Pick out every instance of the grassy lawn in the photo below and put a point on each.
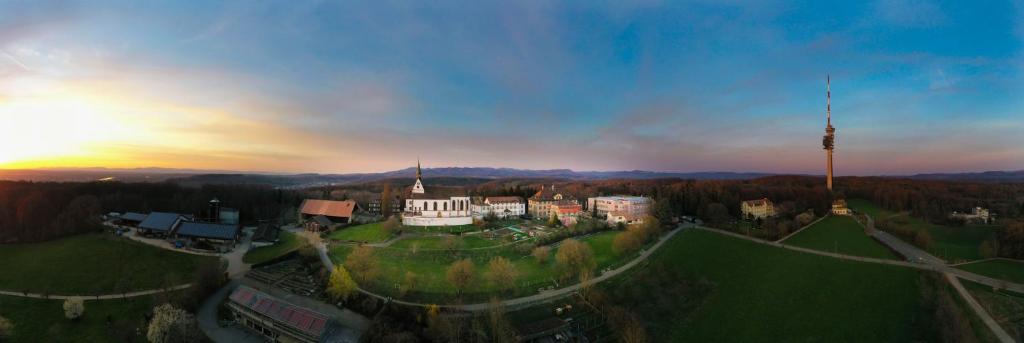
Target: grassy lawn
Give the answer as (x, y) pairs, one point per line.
(371, 233)
(431, 266)
(287, 243)
(442, 229)
(97, 263)
(767, 294)
(34, 319)
(1007, 308)
(1008, 270)
(436, 243)
(840, 234)
(951, 243)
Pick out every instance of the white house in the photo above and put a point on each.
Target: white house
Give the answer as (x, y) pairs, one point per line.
(425, 209)
(501, 207)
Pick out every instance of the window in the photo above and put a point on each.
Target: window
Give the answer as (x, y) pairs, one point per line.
(446, 206)
(435, 206)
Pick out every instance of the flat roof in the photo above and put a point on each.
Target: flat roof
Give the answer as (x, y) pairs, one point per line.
(133, 216)
(623, 197)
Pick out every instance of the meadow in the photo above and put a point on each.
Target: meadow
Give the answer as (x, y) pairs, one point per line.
(950, 243)
(287, 243)
(370, 233)
(89, 264)
(103, 320)
(840, 234)
(1009, 270)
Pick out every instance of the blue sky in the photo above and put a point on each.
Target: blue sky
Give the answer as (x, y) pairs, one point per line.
(918, 86)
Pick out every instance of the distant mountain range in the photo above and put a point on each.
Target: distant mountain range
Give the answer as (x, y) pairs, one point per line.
(456, 174)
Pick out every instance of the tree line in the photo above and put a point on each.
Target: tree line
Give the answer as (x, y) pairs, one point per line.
(39, 211)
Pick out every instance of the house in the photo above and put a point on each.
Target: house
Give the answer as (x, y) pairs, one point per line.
(978, 215)
(614, 218)
(435, 208)
(318, 224)
(266, 234)
(627, 205)
(759, 208)
(839, 208)
(374, 206)
(161, 223)
(338, 212)
(501, 207)
(132, 219)
(221, 237)
(280, 321)
(567, 212)
(540, 203)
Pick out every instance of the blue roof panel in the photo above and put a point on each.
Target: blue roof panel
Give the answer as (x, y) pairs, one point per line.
(208, 230)
(160, 221)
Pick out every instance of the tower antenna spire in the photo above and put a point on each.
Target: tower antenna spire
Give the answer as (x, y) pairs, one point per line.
(828, 99)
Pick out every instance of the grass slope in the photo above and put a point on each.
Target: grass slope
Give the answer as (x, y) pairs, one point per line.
(35, 319)
(1005, 307)
(92, 264)
(436, 243)
(950, 243)
(767, 294)
(287, 243)
(1012, 271)
(840, 234)
(371, 233)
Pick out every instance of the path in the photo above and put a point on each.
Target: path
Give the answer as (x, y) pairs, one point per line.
(522, 302)
(802, 229)
(97, 297)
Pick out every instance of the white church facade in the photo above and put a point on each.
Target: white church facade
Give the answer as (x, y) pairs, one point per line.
(425, 209)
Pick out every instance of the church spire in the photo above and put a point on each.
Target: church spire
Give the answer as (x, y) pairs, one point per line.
(418, 173)
(418, 187)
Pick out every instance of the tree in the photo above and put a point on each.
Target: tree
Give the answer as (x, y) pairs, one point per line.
(172, 325)
(502, 273)
(6, 328)
(362, 263)
(501, 329)
(341, 286)
(460, 274)
(717, 214)
(409, 283)
(626, 242)
(651, 226)
(574, 257)
(804, 218)
(989, 248)
(390, 226)
(629, 327)
(385, 201)
(923, 239)
(451, 243)
(541, 254)
(74, 308)
(553, 220)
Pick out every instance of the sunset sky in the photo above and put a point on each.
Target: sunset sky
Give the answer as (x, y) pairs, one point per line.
(295, 86)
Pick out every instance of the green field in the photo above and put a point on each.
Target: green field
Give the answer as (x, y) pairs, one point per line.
(430, 266)
(1005, 307)
(437, 243)
(92, 264)
(766, 294)
(1008, 270)
(35, 319)
(951, 243)
(840, 234)
(370, 233)
(287, 243)
(441, 229)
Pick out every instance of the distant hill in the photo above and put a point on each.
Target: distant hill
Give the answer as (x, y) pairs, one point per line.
(453, 175)
(988, 176)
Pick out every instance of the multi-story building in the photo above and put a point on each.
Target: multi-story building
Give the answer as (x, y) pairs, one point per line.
(501, 207)
(540, 203)
(374, 206)
(759, 208)
(280, 321)
(977, 215)
(839, 207)
(621, 204)
(568, 212)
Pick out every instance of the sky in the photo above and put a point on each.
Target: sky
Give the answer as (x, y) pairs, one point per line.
(336, 87)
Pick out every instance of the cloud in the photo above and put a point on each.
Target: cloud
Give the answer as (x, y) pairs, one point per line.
(910, 13)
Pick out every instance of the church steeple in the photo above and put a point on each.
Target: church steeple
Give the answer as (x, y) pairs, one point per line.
(418, 187)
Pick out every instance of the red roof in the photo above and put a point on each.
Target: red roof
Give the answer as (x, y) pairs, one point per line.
(329, 208)
(307, 321)
(504, 200)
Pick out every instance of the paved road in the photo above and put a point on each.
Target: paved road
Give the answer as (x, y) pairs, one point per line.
(512, 304)
(780, 240)
(207, 318)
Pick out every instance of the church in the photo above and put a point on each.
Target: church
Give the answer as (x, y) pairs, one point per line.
(424, 208)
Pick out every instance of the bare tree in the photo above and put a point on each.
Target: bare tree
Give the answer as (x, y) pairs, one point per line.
(574, 257)
(541, 254)
(502, 273)
(461, 274)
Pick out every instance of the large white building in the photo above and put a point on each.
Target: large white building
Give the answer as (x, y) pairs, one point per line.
(758, 208)
(425, 209)
(501, 207)
(623, 204)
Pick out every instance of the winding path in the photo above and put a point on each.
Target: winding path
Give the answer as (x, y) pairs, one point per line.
(526, 301)
(97, 297)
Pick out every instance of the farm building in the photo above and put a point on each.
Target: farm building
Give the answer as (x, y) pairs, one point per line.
(280, 321)
(266, 234)
(132, 219)
(317, 224)
(161, 223)
(220, 237)
(338, 212)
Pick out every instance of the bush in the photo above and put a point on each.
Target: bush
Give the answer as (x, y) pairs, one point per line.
(74, 308)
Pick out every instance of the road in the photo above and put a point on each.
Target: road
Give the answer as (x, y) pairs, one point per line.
(512, 304)
(97, 297)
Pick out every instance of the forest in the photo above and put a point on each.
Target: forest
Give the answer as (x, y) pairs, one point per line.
(39, 211)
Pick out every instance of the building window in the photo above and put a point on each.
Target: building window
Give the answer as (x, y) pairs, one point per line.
(435, 206)
(446, 206)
